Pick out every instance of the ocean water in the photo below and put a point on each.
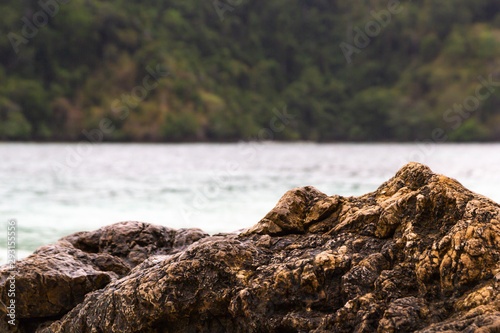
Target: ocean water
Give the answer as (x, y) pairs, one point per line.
(56, 189)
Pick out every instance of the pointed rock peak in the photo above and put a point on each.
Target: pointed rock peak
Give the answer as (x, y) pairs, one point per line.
(413, 175)
(289, 213)
(414, 171)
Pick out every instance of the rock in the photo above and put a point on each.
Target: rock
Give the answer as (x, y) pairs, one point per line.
(133, 242)
(419, 254)
(294, 211)
(57, 277)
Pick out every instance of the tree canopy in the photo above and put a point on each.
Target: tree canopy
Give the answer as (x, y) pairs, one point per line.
(341, 70)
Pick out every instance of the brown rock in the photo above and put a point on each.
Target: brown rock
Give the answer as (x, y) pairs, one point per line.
(419, 254)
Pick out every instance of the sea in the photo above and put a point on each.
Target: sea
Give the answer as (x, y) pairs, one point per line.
(51, 190)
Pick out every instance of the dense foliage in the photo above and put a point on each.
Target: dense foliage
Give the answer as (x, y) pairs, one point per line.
(320, 70)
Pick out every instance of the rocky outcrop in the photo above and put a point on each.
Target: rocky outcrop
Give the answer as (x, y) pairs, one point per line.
(421, 253)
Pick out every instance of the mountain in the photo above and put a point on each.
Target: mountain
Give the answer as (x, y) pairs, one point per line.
(225, 70)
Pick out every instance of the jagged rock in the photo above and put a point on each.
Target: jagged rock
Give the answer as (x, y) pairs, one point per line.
(419, 254)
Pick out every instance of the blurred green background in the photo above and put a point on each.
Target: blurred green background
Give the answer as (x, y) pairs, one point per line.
(231, 63)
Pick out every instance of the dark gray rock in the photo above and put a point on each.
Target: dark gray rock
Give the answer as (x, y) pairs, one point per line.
(56, 278)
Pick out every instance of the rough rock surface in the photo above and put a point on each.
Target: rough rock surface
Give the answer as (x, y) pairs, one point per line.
(421, 253)
(57, 277)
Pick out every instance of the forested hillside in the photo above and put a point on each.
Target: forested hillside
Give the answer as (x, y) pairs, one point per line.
(205, 70)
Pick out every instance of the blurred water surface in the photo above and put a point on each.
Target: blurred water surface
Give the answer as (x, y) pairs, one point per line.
(56, 189)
